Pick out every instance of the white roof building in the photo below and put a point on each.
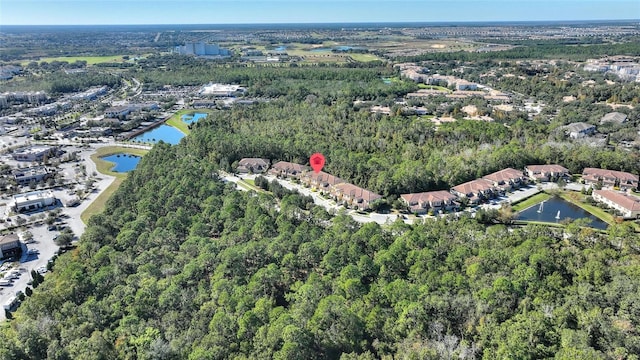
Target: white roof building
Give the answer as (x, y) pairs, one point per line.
(32, 201)
(221, 89)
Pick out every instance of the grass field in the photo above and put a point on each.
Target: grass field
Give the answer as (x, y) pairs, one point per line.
(104, 167)
(364, 57)
(528, 202)
(434, 87)
(99, 203)
(91, 60)
(249, 185)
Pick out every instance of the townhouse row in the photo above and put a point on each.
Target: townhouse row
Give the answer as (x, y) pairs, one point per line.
(472, 192)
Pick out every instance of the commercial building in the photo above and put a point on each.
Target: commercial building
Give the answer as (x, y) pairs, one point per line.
(10, 246)
(32, 201)
(221, 90)
(32, 175)
(627, 205)
(35, 153)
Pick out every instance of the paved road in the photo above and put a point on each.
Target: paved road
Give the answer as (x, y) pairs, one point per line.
(328, 204)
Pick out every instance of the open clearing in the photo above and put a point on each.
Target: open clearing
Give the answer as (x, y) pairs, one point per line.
(91, 60)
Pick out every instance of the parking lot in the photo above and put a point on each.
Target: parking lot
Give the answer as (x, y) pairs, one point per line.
(37, 253)
(43, 248)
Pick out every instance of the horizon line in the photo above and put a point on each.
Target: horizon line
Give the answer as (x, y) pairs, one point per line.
(345, 22)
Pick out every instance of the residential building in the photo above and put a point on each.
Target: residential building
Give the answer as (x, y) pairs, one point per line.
(579, 129)
(420, 203)
(550, 172)
(353, 196)
(32, 175)
(287, 169)
(252, 165)
(10, 246)
(627, 205)
(202, 49)
(320, 180)
(610, 178)
(35, 153)
(614, 117)
(32, 201)
(506, 179)
(475, 191)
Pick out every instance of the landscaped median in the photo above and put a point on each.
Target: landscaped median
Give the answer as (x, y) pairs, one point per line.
(104, 167)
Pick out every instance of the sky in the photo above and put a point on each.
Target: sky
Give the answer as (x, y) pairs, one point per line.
(120, 12)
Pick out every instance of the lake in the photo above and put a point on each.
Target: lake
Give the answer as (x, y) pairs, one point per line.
(164, 132)
(550, 210)
(123, 162)
(192, 118)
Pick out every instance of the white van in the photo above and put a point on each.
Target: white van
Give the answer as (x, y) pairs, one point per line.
(11, 303)
(5, 282)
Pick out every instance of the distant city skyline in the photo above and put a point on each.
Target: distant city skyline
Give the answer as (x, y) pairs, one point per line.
(120, 12)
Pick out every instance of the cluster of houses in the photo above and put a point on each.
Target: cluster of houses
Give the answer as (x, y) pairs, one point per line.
(579, 130)
(342, 192)
(472, 192)
(479, 190)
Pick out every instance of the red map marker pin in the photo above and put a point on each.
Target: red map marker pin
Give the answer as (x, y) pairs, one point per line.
(317, 162)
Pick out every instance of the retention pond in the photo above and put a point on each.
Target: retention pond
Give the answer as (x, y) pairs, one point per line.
(556, 210)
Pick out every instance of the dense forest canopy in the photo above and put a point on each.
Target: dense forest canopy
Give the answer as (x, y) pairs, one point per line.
(211, 273)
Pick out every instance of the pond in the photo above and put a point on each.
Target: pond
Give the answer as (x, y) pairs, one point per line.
(123, 162)
(556, 210)
(192, 118)
(164, 132)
